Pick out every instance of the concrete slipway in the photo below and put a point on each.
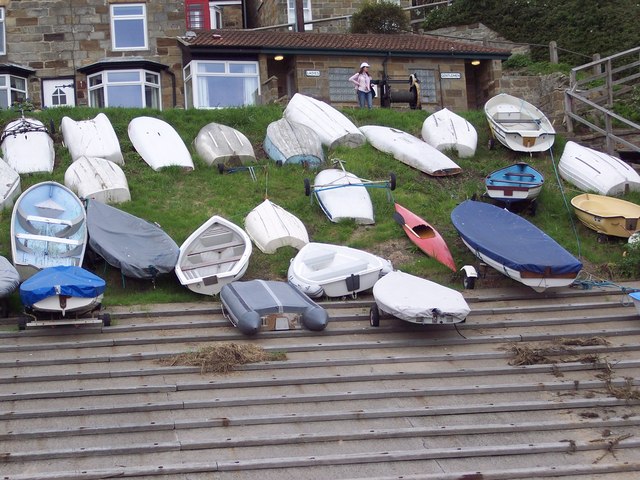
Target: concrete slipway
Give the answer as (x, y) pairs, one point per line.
(352, 402)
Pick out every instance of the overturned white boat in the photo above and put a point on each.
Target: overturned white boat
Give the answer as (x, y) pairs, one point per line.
(10, 186)
(91, 138)
(335, 270)
(98, 179)
(159, 144)
(290, 142)
(445, 130)
(27, 146)
(271, 227)
(220, 144)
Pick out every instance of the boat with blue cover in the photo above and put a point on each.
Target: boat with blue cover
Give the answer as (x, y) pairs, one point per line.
(514, 246)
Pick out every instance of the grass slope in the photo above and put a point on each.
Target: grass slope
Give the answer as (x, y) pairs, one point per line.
(180, 202)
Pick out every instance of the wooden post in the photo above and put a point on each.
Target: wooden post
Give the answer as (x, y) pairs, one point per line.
(597, 69)
(553, 52)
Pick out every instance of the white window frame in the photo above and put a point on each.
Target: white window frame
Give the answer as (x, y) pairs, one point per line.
(194, 78)
(216, 12)
(99, 85)
(120, 18)
(306, 9)
(11, 93)
(3, 32)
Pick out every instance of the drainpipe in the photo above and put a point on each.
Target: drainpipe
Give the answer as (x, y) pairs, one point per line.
(299, 16)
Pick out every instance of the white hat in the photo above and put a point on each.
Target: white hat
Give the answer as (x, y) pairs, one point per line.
(364, 64)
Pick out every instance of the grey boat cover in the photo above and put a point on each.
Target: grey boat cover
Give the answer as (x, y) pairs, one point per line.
(9, 277)
(140, 249)
(248, 302)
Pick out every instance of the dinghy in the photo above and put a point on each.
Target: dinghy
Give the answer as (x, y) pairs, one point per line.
(27, 146)
(219, 144)
(271, 227)
(272, 305)
(514, 246)
(10, 187)
(424, 236)
(91, 138)
(335, 270)
(593, 171)
(445, 130)
(289, 142)
(514, 183)
(607, 215)
(98, 179)
(333, 128)
(518, 125)
(158, 143)
(62, 292)
(215, 254)
(341, 196)
(48, 228)
(140, 249)
(416, 300)
(410, 150)
(9, 282)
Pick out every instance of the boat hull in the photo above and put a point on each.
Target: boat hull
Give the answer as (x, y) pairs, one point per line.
(293, 143)
(48, 228)
(342, 196)
(518, 125)
(271, 227)
(334, 270)
(425, 237)
(447, 131)
(97, 179)
(10, 186)
(91, 138)
(215, 254)
(27, 146)
(220, 144)
(514, 246)
(607, 215)
(593, 171)
(159, 144)
(410, 150)
(515, 183)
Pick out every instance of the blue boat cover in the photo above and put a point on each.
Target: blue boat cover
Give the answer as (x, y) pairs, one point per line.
(511, 240)
(61, 280)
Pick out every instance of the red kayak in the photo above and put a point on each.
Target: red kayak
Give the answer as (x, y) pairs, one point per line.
(424, 236)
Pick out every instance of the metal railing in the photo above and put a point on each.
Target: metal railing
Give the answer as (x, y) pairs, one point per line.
(591, 94)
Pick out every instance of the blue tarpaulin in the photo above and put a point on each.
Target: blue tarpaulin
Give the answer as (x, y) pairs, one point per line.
(61, 280)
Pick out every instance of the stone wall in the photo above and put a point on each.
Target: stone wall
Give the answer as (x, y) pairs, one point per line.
(479, 33)
(57, 37)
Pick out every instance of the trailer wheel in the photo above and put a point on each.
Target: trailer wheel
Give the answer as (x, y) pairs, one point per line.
(221, 168)
(374, 316)
(392, 181)
(106, 319)
(307, 187)
(468, 282)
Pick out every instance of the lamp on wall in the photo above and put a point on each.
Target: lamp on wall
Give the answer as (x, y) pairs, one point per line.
(278, 58)
(475, 63)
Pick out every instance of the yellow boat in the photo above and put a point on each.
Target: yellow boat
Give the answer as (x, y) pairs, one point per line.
(607, 215)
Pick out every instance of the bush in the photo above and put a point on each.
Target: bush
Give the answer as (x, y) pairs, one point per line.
(384, 17)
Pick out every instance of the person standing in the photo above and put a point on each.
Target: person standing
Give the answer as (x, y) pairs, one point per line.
(362, 82)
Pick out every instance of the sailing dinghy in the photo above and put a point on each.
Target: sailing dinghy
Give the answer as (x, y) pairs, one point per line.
(446, 130)
(219, 144)
(292, 143)
(270, 227)
(99, 179)
(91, 138)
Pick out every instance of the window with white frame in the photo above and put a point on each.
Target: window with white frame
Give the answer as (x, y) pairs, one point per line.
(129, 26)
(219, 84)
(124, 88)
(12, 90)
(306, 8)
(3, 36)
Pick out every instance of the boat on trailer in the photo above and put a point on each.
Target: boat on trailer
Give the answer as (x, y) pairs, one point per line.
(514, 183)
(514, 246)
(519, 125)
(215, 254)
(607, 215)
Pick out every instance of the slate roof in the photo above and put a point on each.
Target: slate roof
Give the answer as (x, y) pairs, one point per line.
(261, 41)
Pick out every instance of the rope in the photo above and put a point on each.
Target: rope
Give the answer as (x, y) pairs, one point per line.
(566, 204)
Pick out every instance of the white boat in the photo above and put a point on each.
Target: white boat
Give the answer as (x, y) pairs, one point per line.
(215, 254)
(335, 270)
(10, 186)
(270, 227)
(416, 300)
(342, 196)
(221, 144)
(290, 142)
(48, 228)
(518, 125)
(333, 127)
(27, 146)
(9, 282)
(91, 138)
(158, 143)
(593, 171)
(445, 130)
(98, 179)
(410, 150)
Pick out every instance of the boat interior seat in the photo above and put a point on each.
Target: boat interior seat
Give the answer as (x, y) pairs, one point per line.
(351, 267)
(71, 226)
